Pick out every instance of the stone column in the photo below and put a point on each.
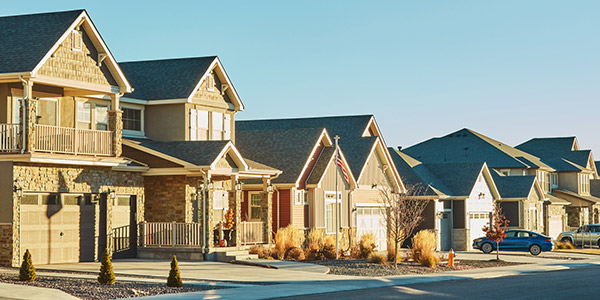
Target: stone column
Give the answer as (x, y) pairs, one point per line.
(115, 124)
(267, 211)
(209, 218)
(236, 204)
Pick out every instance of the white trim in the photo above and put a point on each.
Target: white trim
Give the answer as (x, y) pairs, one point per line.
(217, 63)
(326, 201)
(238, 157)
(369, 204)
(249, 200)
(326, 141)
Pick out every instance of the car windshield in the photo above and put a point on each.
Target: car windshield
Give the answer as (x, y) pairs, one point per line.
(511, 234)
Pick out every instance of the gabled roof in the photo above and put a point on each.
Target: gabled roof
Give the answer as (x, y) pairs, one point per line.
(284, 149)
(455, 179)
(165, 78)
(26, 39)
(592, 199)
(348, 128)
(176, 78)
(466, 146)
(404, 164)
(561, 153)
(321, 165)
(514, 186)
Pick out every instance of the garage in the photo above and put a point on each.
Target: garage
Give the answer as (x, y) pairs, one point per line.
(555, 226)
(371, 219)
(477, 221)
(58, 228)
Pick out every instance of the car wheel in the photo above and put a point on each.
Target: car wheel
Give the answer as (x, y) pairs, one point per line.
(598, 243)
(566, 240)
(535, 249)
(487, 248)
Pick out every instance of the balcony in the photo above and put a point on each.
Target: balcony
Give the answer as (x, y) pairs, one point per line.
(55, 139)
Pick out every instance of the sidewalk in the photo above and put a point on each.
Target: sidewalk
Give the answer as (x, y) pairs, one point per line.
(19, 291)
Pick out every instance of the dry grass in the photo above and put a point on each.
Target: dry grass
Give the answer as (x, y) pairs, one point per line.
(319, 246)
(581, 251)
(391, 252)
(263, 253)
(287, 238)
(561, 245)
(367, 245)
(375, 258)
(423, 249)
(294, 253)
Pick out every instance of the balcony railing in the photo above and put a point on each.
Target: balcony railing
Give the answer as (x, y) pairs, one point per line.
(10, 140)
(67, 140)
(54, 139)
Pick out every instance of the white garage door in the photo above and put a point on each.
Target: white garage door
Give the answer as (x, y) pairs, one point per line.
(372, 220)
(476, 223)
(51, 229)
(555, 226)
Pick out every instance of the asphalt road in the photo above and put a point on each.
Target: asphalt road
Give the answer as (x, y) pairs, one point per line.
(581, 283)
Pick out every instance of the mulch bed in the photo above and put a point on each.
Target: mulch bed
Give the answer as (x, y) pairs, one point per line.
(360, 267)
(91, 289)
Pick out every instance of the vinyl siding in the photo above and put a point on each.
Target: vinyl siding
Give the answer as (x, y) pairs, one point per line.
(328, 184)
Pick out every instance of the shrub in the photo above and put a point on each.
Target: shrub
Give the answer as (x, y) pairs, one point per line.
(423, 249)
(376, 259)
(288, 237)
(27, 271)
(106, 276)
(354, 252)
(328, 248)
(295, 253)
(367, 245)
(391, 252)
(561, 245)
(174, 279)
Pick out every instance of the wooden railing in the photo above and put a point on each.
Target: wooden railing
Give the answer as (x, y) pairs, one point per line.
(10, 139)
(120, 239)
(252, 233)
(171, 234)
(67, 140)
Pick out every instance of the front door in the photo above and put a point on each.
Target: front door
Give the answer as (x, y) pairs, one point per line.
(446, 231)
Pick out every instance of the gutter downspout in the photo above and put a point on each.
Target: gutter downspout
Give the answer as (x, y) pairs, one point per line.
(25, 112)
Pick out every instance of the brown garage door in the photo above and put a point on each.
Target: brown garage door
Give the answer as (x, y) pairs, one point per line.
(58, 228)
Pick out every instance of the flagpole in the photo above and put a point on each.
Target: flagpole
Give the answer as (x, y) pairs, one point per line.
(337, 214)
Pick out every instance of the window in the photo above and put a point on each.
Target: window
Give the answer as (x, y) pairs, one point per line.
(255, 207)
(101, 117)
(17, 109)
(51, 199)
(299, 197)
(77, 40)
(210, 82)
(217, 126)
(30, 199)
(227, 127)
(523, 234)
(511, 234)
(330, 207)
(552, 181)
(542, 179)
(132, 119)
(70, 199)
(584, 180)
(84, 115)
(198, 125)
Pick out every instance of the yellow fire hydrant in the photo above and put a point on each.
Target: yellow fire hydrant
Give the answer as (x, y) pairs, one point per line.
(451, 258)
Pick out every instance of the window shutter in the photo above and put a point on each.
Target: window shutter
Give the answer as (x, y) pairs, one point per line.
(227, 127)
(193, 125)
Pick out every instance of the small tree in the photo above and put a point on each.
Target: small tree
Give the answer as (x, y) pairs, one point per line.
(27, 271)
(404, 213)
(106, 276)
(496, 230)
(174, 279)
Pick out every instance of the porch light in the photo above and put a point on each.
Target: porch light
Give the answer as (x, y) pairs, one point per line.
(269, 187)
(238, 185)
(211, 185)
(112, 193)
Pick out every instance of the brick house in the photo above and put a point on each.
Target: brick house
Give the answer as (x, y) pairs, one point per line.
(63, 182)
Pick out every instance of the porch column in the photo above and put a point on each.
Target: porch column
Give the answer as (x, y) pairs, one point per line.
(28, 116)
(209, 217)
(235, 203)
(267, 210)
(115, 124)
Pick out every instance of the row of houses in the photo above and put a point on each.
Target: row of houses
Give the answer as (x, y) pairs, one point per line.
(147, 158)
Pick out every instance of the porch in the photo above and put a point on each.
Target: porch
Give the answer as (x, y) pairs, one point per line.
(56, 139)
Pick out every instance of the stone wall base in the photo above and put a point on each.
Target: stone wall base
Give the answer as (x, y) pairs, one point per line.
(6, 244)
(460, 239)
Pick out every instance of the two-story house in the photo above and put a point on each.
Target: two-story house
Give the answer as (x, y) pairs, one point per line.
(370, 172)
(64, 186)
(574, 171)
(466, 145)
(179, 122)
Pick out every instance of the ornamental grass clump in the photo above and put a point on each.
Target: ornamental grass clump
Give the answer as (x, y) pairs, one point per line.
(294, 253)
(174, 279)
(27, 271)
(107, 275)
(423, 249)
(376, 258)
(367, 245)
(286, 238)
(319, 246)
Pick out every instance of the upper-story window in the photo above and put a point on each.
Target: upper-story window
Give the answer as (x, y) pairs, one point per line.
(132, 119)
(214, 126)
(84, 115)
(552, 181)
(210, 82)
(198, 125)
(584, 181)
(101, 114)
(76, 40)
(217, 126)
(542, 179)
(227, 127)
(92, 115)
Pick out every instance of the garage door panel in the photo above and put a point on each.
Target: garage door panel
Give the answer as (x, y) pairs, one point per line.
(372, 220)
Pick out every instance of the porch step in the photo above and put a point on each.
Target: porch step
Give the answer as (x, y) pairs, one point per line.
(234, 255)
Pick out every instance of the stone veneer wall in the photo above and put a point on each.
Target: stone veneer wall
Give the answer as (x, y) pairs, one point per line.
(167, 199)
(460, 239)
(6, 242)
(70, 179)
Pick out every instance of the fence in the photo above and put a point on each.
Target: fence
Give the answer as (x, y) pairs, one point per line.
(252, 233)
(173, 234)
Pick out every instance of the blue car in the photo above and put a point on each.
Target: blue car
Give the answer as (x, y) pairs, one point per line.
(517, 240)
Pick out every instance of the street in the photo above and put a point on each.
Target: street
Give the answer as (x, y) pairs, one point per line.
(568, 284)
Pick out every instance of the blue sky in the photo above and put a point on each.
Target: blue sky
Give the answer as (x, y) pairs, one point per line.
(511, 70)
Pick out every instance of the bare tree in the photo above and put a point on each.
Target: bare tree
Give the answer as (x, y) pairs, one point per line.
(404, 213)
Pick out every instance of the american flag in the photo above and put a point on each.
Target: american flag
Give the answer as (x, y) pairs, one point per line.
(341, 164)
